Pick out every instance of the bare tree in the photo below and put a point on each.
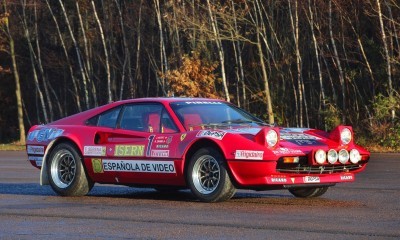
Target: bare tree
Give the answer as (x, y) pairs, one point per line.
(220, 48)
(78, 55)
(387, 55)
(107, 62)
(71, 72)
(338, 63)
(7, 31)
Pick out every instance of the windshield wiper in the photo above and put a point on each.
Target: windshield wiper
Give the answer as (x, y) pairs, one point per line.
(237, 121)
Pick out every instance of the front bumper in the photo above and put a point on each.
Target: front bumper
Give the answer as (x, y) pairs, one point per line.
(264, 173)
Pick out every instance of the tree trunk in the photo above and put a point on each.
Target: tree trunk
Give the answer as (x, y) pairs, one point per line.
(163, 55)
(295, 29)
(87, 67)
(220, 48)
(21, 126)
(387, 56)
(33, 60)
(339, 65)
(271, 119)
(138, 83)
(311, 21)
(78, 55)
(74, 81)
(110, 98)
(38, 58)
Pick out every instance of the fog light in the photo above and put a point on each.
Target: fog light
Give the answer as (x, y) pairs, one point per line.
(332, 156)
(320, 156)
(343, 156)
(355, 156)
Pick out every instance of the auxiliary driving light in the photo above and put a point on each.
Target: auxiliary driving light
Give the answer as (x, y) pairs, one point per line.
(332, 156)
(343, 156)
(320, 156)
(355, 156)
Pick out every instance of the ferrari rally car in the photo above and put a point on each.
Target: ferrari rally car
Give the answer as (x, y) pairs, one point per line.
(209, 146)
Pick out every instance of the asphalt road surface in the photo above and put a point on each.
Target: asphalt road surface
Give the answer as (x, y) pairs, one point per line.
(369, 208)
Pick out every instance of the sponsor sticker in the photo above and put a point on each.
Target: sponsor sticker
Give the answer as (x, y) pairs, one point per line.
(94, 151)
(38, 160)
(35, 149)
(201, 102)
(346, 177)
(137, 166)
(183, 136)
(97, 165)
(294, 130)
(160, 153)
(212, 134)
(163, 139)
(306, 142)
(249, 130)
(32, 135)
(129, 150)
(45, 134)
(311, 179)
(162, 146)
(287, 151)
(297, 136)
(278, 180)
(247, 154)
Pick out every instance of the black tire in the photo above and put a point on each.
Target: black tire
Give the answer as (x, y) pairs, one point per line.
(207, 176)
(308, 192)
(66, 173)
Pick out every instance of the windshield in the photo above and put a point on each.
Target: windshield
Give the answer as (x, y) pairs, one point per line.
(195, 114)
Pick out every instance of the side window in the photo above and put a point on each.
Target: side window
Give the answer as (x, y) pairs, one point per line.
(109, 118)
(147, 118)
(131, 118)
(167, 124)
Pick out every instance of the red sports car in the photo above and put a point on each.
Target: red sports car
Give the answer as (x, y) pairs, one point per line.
(209, 146)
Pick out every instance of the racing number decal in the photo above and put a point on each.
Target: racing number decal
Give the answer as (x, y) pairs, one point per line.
(151, 139)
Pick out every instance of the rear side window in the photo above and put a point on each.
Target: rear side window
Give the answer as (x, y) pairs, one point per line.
(106, 119)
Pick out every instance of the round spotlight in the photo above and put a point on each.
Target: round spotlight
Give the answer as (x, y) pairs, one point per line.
(320, 156)
(343, 156)
(355, 156)
(271, 138)
(345, 136)
(332, 156)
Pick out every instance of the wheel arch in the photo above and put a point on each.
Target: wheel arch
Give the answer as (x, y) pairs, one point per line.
(44, 178)
(202, 143)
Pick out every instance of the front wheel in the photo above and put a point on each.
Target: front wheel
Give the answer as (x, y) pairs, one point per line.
(207, 176)
(66, 173)
(308, 192)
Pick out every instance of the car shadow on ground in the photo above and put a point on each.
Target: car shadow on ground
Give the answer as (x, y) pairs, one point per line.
(34, 189)
(131, 193)
(31, 189)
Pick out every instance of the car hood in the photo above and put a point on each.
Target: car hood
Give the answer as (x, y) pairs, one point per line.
(292, 137)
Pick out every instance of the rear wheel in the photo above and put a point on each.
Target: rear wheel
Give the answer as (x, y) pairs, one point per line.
(207, 176)
(308, 192)
(66, 173)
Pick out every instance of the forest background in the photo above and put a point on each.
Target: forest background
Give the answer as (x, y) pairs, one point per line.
(299, 63)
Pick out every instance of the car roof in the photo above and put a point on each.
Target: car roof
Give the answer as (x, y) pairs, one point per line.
(169, 100)
(81, 117)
